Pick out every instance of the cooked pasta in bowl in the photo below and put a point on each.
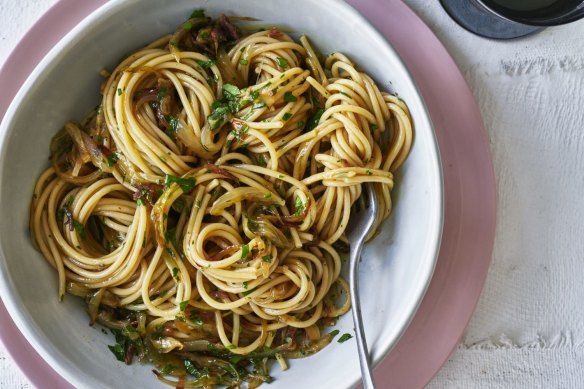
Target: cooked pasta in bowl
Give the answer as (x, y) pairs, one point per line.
(203, 162)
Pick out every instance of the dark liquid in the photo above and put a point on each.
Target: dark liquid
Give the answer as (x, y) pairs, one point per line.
(526, 5)
(532, 9)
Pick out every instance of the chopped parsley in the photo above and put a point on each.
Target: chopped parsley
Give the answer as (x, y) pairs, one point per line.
(267, 195)
(231, 347)
(175, 272)
(162, 92)
(289, 97)
(267, 258)
(244, 251)
(244, 283)
(373, 127)
(172, 125)
(118, 351)
(194, 371)
(314, 119)
(237, 134)
(188, 25)
(186, 184)
(207, 64)
(111, 159)
(259, 105)
(298, 206)
(120, 91)
(231, 90)
(248, 292)
(282, 62)
(183, 305)
(287, 116)
(140, 201)
(334, 333)
(222, 109)
(344, 338)
(79, 229)
(198, 13)
(243, 61)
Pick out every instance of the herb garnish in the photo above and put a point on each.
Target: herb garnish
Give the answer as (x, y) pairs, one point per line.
(186, 184)
(289, 97)
(298, 206)
(244, 251)
(282, 62)
(344, 338)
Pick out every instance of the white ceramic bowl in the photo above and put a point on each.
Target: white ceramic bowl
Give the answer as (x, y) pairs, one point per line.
(397, 265)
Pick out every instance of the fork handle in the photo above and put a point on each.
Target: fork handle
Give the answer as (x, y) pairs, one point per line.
(364, 360)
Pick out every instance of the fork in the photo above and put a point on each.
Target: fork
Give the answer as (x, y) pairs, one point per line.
(360, 225)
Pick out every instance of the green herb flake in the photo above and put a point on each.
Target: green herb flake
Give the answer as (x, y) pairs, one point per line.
(111, 159)
(175, 272)
(314, 119)
(186, 184)
(283, 63)
(183, 305)
(168, 369)
(298, 206)
(188, 25)
(244, 251)
(289, 97)
(231, 91)
(198, 13)
(140, 202)
(231, 347)
(237, 134)
(118, 351)
(243, 61)
(207, 64)
(162, 92)
(172, 125)
(234, 360)
(373, 127)
(267, 195)
(344, 338)
(248, 292)
(259, 105)
(191, 368)
(334, 333)
(368, 172)
(287, 116)
(120, 91)
(267, 258)
(300, 124)
(79, 229)
(244, 283)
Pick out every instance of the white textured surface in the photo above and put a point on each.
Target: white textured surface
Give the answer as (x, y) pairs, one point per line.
(528, 330)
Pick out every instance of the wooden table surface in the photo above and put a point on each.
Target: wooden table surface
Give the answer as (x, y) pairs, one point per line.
(528, 329)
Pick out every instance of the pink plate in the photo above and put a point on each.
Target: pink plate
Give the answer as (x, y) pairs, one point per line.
(469, 190)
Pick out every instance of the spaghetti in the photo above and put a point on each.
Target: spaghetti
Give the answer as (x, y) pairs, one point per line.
(201, 208)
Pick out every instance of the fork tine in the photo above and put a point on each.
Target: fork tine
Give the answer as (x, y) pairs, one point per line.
(372, 196)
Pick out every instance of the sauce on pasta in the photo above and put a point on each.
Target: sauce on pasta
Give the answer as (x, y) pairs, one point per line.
(201, 207)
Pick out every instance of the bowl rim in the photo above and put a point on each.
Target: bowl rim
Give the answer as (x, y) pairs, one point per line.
(74, 35)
